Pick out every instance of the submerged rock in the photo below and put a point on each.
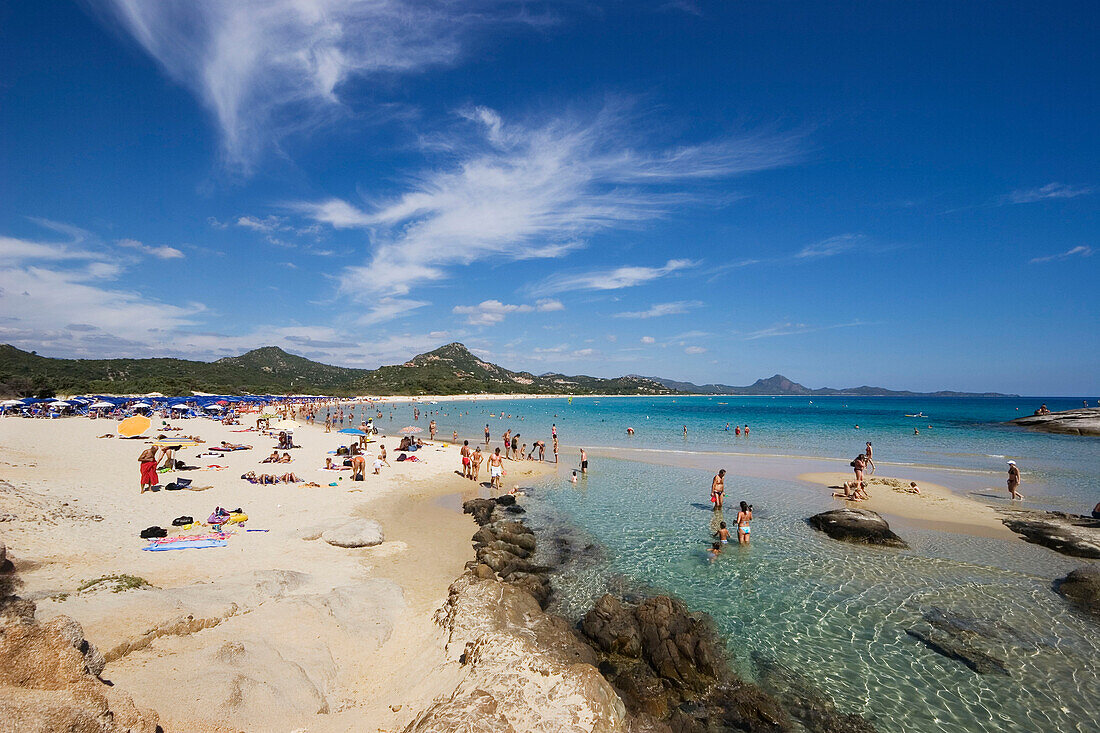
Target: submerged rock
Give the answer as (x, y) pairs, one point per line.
(958, 648)
(857, 525)
(804, 702)
(1070, 534)
(1082, 589)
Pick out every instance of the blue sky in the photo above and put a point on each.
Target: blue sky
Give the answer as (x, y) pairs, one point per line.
(903, 195)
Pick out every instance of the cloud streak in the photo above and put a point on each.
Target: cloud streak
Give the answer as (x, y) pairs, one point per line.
(511, 191)
(616, 278)
(1047, 192)
(1079, 251)
(662, 309)
(266, 69)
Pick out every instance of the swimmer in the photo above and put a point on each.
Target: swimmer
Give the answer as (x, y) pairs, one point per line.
(714, 551)
(574, 479)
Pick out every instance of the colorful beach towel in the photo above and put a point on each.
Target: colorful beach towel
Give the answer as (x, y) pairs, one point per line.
(186, 545)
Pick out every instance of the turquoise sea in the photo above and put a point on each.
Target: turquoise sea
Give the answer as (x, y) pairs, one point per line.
(835, 612)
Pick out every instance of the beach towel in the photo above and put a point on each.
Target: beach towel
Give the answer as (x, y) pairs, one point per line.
(189, 537)
(186, 545)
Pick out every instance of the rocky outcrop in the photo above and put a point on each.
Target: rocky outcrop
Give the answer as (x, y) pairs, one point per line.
(669, 667)
(356, 533)
(966, 639)
(857, 525)
(524, 669)
(1082, 589)
(1082, 421)
(505, 548)
(49, 678)
(1070, 534)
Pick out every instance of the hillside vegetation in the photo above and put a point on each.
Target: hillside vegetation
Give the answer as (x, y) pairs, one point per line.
(450, 369)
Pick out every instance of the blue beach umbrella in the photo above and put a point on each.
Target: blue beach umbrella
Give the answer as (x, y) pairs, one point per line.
(351, 431)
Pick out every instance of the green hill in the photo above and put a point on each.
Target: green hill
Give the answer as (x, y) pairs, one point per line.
(450, 369)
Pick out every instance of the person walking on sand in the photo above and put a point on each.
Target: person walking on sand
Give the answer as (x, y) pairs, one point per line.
(1014, 480)
(584, 463)
(868, 453)
(718, 489)
(148, 465)
(555, 449)
(486, 433)
(431, 430)
(507, 437)
(496, 469)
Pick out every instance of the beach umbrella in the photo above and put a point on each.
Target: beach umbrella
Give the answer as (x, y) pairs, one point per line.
(223, 402)
(213, 407)
(134, 426)
(59, 403)
(408, 429)
(142, 406)
(351, 431)
(11, 403)
(181, 407)
(99, 405)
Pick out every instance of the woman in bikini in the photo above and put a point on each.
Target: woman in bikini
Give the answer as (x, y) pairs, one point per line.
(743, 518)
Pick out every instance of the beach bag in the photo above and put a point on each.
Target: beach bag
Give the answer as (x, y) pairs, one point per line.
(180, 521)
(852, 464)
(402, 457)
(150, 532)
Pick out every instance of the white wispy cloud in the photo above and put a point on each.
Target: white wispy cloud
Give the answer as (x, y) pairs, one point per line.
(1079, 251)
(695, 350)
(491, 312)
(1049, 191)
(662, 309)
(163, 252)
(269, 68)
(829, 247)
(648, 340)
(513, 191)
(612, 279)
(793, 329)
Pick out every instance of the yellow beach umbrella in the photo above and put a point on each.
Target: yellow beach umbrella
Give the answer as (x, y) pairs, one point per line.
(133, 426)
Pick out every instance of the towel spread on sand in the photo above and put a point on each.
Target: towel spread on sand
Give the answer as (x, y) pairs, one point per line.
(186, 545)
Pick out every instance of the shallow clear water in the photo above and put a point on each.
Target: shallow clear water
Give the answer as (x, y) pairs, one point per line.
(838, 612)
(833, 611)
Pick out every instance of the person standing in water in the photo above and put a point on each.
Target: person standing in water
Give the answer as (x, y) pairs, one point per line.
(584, 462)
(1014, 480)
(743, 518)
(718, 489)
(486, 433)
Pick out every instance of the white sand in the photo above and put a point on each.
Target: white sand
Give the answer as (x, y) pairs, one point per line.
(272, 630)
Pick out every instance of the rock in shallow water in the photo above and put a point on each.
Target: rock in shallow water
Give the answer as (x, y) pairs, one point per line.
(1069, 534)
(861, 526)
(1082, 588)
(356, 533)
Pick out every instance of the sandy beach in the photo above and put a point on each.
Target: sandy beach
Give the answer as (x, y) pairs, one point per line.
(274, 631)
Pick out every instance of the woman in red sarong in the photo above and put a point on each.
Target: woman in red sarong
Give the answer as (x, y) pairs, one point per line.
(148, 461)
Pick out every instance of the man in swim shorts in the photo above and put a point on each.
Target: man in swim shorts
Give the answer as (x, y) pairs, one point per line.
(465, 453)
(496, 469)
(584, 462)
(718, 488)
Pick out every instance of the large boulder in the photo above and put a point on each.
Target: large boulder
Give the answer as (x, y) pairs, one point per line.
(356, 533)
(860, 526)
(1082, 588)
(1081, 421)
(1069, 534)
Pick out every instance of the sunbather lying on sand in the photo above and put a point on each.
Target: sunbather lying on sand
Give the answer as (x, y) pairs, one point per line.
(231, 446)
(264, 478)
